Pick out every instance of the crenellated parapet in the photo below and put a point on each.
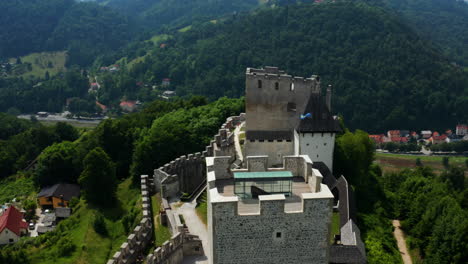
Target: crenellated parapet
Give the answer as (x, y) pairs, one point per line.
(187, 173)
(141, 236)
(180, 245)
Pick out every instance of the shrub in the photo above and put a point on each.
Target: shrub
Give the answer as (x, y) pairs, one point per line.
(65, 247)
(99, 224)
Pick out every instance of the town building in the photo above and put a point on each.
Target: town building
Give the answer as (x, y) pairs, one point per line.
(58, 195)
(12, 226)
(426, 134)
(461, 130)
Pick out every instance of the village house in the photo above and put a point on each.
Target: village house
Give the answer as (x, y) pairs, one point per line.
(12, 226)
(426, 134)
(128, 106)
(378, 139)
(166, 82)
(436, 139)
(461, 130)
(393, 133)
(58, 195)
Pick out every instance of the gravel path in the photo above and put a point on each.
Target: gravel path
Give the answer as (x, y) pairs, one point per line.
(196, 227)
(400, 237)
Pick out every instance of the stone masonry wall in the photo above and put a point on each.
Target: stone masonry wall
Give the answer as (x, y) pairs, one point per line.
(141, 237)
(187, 173)
(273, 236)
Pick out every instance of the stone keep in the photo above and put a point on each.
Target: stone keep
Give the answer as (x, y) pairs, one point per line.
(272, 235)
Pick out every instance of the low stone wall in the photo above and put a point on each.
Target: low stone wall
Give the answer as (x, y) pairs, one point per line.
(137, 242)
(173, 251)
(186, 173)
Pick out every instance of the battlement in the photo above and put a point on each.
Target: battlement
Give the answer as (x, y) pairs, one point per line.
(273, 73)
(188, 172)
(304, 186)
(285, 227)
(275, 100)
(141, 235)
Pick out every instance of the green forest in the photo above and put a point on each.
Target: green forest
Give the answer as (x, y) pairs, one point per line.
(374, 50)
(103, 161)
(371, 55)
(85, 30)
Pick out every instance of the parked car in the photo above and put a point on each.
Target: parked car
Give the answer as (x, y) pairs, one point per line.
(31, 226)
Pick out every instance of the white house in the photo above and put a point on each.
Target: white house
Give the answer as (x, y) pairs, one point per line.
(12, 226)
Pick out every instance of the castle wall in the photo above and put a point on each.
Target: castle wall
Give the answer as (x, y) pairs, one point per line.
(267, 107)
(318, 146)
(272, 236)
(142, 234)
(275, 150)
(187, 173)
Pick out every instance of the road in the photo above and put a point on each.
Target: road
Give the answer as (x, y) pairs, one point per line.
(400, 237)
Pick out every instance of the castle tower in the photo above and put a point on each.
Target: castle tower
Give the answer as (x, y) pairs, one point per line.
(275, 102)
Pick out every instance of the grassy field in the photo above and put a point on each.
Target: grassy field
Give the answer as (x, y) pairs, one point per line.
(161, 233)
(202, 208)
(157, 39)
(19, 187)
(91, 247)
(185, 29)
(335, 226)
(397, 162)
(52, 62)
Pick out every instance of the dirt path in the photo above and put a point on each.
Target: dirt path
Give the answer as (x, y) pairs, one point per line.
(400, 237)
(196, 227)
(237, 142)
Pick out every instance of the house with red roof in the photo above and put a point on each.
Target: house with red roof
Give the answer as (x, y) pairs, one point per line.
(438, 139)
(378, 139)
(12, 226)
(128, 106)
(393, 133)
(461, 130)
(399, 139)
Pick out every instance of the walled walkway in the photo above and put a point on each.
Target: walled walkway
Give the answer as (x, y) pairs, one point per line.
(400, 237)
(196, 227)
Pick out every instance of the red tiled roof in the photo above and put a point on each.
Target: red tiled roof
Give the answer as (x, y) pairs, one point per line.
(394, 132)
(443, 137)
(103, 107)
(435, 133)
(399, 139)
(128, 103)
(13, 220)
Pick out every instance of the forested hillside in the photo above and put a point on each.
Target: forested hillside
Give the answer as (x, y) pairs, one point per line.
(155, 13)
(445, 22)
(384, 75)
(84, 29)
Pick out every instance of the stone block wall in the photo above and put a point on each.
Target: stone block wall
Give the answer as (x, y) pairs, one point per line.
(137, 242)
(174, 250)
(273, 235)
(187, 173)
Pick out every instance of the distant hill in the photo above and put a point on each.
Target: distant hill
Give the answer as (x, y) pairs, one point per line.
(384, 75)
(445, 22)
(84, 29)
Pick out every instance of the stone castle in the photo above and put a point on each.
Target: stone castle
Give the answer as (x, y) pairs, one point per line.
(270, 195)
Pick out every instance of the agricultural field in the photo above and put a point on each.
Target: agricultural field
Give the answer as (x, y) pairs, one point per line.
(397, 162)
(37, 64)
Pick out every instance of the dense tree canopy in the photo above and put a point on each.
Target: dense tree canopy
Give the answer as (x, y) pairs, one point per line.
(86, 30)
(58, 164)
(98, 178)
(363, 51)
